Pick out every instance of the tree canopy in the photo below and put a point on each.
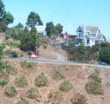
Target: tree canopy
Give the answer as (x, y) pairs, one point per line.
(5, 17)
(59, 28)
(50, 28)
(104, 55)
(34, 19)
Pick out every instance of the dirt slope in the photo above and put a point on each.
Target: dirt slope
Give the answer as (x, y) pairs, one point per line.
(77, 75)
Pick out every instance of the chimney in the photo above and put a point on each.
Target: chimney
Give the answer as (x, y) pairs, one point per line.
(99, 27)
(84, 28)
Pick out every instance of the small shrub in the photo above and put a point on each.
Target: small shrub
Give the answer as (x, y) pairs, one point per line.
(79, 99)
(14, 54)
(23, 101)
(21, 82)
(45, 46)
(94, 86)
(58, 76)
(66, 86)
(10, 91)
(13, 43)
(27, 65)
(3, 82)
(82, 48)
(41, 80)
(32, 93)
(54, 95)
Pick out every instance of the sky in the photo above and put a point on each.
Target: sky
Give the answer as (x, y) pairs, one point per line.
(69, 13)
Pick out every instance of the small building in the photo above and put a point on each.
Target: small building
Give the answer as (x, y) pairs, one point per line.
(89, 35)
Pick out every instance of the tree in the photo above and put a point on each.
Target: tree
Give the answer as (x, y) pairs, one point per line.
(28, 40)
(20, 25)
(5, 17)
(3, 26)
(25, 40)
(2, 10)
(8, 18)
(50, 28)
(104, 55)
(59, 28)
(34, 19)
(82, 48)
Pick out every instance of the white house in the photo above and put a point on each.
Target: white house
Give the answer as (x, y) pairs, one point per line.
(41, 30)
(89, 35)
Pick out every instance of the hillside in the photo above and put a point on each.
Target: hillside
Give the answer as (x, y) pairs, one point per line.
(50, 94)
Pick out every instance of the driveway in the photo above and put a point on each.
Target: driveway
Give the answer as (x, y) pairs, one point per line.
(60, 57)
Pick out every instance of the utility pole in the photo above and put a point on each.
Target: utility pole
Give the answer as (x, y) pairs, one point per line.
(36, 43)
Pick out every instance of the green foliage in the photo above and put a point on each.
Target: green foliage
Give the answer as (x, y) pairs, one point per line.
(21, 81)
(27, 65)
(1, 51)
(3, 27)
(34, 19)
(14, 54)
(66, 86)
(94, 86)
(3, 82)
(50, 28)
(28, 40)
(13, 43)
(14, 33)
(104, 55)
(59, 28)
(5, 17)
(79, 99)
(10, 92)
(32, 93)
(82, 48)
(8, 18)
(41, 80)
(23, 101)
(58, 76)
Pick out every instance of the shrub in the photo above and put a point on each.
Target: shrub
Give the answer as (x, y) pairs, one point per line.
(23, 101)
(10, 91)
(66, 86)
(26, 65)
(3, 82)
(32, 93)
(79, 99)
(54, 95)
(45, 46)
(13, 43)
(21, 82)
(82, 48)
(94, 88)
(41, 80)
(14, 54)
(104, 55)
(58, 76)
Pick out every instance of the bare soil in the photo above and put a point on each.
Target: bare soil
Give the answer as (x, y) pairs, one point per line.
(77, 75)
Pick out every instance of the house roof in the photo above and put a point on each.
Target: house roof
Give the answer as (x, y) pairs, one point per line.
(91, 29)
(41, 28)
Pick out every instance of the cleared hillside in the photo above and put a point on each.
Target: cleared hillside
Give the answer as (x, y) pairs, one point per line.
(51, 93)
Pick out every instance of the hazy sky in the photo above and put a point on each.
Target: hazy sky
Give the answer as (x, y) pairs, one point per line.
(70, 13)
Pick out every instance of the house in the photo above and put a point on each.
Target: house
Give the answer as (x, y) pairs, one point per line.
(71, 37)
(40, 29)
(60, 38)
(89, 35)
